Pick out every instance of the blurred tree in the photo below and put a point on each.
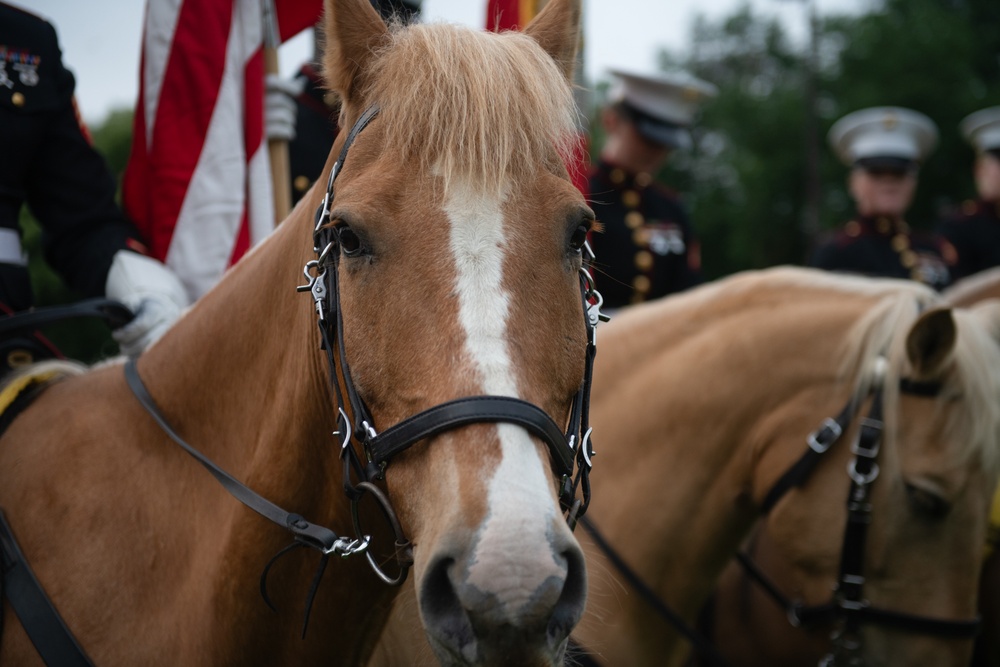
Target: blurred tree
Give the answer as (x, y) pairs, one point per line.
(745, 179)
(86, 340)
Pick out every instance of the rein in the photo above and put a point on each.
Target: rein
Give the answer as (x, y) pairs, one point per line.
(849, 604)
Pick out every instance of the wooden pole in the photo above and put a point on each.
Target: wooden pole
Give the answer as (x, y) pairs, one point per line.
(281, 174)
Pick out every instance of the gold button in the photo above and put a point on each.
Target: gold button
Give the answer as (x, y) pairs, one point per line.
(883, 225)
(301, 183)
(17, 99)
(900, 242)
(19, 358)
(852, 228)
(630, 198)
(642, 179)
(641, 237)
(634, 219)
(641, 284)
(908, 258)
(617, 176)
(644, 260)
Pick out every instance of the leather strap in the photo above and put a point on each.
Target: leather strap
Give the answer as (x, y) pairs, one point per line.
(39, 618)
(698, 642)
(318, 537)
(472, 410)
(114, 313)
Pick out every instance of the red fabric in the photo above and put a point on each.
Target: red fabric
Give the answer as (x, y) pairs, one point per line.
(204, 139)
(187, 99)
(294, 16)
(504, 14)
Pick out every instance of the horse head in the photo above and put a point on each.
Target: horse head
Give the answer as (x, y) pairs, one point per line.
(900, 535)
(460, 241)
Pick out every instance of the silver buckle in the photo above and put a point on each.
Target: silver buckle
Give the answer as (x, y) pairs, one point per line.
(829, 424)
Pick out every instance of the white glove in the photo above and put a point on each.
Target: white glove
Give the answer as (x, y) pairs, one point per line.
(279, 106)
(152, 291)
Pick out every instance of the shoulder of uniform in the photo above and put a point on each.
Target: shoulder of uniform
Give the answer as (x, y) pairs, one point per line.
(24, 24)
(12, 13)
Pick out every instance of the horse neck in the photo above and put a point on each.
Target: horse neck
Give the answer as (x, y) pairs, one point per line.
(241, 375)
(695, 405)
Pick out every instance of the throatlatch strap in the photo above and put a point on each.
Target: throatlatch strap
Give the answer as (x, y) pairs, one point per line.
(39, 617)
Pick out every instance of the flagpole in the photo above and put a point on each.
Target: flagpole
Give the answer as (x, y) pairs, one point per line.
(281, 186)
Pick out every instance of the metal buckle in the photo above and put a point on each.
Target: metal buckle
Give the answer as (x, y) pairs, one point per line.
(862, 480)
(347, 546)
(866, 451)
(829, 425)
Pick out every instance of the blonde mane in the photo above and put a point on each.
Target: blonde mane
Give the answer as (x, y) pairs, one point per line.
(881, 333)
(485, 106)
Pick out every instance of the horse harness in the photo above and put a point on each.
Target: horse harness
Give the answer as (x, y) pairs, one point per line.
(848, 605)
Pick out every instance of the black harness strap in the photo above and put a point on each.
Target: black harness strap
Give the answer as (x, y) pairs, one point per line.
(310, 534)
(39, 618)
(701, 645)
(473, 410)
(114, 313)
(819, 441)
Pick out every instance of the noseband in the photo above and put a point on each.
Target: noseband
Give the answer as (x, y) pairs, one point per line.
(849, 605)
(571, 450)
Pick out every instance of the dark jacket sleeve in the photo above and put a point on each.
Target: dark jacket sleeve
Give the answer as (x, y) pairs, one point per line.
(71, 191)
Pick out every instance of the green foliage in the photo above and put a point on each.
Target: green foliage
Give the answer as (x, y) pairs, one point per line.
(745, 179)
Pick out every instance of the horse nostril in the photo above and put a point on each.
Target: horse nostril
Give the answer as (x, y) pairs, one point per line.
(444, 617)
(569, 607)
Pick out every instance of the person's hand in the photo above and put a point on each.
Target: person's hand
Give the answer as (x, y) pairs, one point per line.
(279, 107)
(152, 291)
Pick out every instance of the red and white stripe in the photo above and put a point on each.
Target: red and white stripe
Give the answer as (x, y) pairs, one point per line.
(198, 179)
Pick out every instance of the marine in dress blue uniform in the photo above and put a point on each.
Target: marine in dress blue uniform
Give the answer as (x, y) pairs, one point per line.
(647, 248)
(48, 163)
(884, 147)
(974, 231)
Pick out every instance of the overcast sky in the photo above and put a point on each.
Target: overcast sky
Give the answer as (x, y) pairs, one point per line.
(100, 38)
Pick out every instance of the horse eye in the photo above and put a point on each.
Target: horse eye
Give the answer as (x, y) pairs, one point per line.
(579, 237)
(349, 241)
(927, 504)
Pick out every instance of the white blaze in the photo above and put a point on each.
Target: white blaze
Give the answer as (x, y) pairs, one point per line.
(513, 555)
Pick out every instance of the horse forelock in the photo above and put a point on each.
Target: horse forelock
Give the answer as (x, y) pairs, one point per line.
(489, 107)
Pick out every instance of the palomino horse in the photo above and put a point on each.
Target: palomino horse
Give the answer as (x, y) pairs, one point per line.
(751, 630)
(449, 267)
(705, 399)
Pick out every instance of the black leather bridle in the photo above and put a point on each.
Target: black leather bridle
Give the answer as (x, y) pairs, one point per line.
(849, 606)
(571, 451)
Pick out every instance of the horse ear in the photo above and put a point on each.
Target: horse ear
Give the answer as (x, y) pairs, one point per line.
(557, 30)
(353, 30)
(931, 341)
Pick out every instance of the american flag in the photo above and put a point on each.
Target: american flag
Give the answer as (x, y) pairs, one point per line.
(197, 183)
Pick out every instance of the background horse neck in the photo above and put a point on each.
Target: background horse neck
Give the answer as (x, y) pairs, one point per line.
(690, 396)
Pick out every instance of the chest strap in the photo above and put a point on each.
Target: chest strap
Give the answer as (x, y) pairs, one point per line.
(39, 617)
